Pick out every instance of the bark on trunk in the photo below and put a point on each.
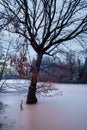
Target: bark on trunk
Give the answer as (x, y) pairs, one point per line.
(31, 97)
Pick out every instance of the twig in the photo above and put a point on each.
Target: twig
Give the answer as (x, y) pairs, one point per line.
(2, 85)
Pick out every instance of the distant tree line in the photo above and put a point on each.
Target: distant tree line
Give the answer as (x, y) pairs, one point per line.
(64, 72)
(69, 70)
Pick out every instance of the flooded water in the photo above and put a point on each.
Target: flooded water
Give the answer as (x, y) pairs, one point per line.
(67, 111)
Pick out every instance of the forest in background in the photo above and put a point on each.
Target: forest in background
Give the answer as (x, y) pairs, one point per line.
(70, 69)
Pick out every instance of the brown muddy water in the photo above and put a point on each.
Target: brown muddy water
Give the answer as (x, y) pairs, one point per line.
(64, 112)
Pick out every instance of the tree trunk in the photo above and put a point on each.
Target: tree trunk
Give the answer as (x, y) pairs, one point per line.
(31, 97)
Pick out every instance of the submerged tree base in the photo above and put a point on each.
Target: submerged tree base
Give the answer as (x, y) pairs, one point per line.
(31, 100)
(31, 97)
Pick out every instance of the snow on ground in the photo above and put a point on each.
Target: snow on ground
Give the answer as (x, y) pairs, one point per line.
(43, 89)
(14, 85)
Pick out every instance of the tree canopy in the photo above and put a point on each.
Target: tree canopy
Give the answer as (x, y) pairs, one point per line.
(45, 24)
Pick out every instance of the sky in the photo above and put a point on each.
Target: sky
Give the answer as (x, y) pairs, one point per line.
(6, 38)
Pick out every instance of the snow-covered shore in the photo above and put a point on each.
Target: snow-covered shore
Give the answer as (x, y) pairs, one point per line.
(14, 85)
(63, 112)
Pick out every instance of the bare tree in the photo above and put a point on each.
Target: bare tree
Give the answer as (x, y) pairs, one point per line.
(45, 24)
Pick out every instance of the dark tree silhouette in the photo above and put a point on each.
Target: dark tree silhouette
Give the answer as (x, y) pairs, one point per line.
(45, 24)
